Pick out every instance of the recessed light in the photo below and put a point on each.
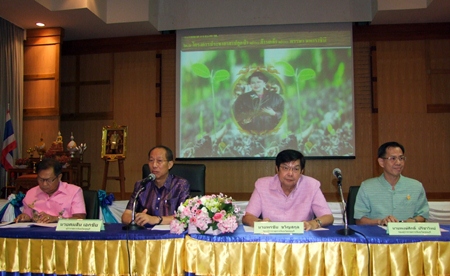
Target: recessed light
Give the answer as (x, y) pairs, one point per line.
(40, 24)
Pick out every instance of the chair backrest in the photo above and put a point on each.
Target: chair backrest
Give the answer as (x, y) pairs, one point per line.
(92, 204)
(195, 174)
(351, 199)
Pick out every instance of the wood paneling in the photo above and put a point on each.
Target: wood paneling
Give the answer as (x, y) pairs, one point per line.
(41, 72)
(88, 91)
(41, 86)
(403, 114)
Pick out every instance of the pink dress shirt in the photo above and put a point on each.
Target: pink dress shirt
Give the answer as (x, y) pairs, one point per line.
(66, 201)
(303, 203)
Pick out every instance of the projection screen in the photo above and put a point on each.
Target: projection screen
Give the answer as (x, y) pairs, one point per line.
(250, 92)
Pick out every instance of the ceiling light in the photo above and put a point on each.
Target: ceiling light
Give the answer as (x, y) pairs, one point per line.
(40, 24)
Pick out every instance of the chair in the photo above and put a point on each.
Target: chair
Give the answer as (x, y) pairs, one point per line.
(92, 204)
(193, 173)
(351, 199)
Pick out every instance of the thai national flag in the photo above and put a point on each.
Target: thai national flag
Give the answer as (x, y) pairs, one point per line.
(9, 144)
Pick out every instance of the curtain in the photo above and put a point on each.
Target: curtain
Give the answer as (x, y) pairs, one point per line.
(11, 83)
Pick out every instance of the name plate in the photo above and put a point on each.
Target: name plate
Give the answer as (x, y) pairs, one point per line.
(413, 228)
(84, 225)
(270, 227)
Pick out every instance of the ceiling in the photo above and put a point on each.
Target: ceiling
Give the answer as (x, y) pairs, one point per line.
(88, 19)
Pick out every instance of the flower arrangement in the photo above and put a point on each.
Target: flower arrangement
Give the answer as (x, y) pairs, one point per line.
(215, 212)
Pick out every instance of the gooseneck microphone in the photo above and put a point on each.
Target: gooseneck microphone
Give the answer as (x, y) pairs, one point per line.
(133, 225)
(338, 174)
(346, 231)
(149, 178)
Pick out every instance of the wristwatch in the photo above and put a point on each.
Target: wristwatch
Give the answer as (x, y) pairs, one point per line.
(160, 220)
(319, 222)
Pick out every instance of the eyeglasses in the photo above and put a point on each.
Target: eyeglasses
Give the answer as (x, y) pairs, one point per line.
(48, 180)
(395, 158)
(285, 168)
(158, 162)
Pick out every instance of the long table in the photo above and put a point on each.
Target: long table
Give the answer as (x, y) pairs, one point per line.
(149, 252)
(368, 252)
(110, 252)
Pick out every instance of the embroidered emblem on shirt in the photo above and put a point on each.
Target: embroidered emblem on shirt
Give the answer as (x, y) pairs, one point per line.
(61, 213)
(408, 197)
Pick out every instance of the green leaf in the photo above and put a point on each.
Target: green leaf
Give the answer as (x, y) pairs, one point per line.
(331, 129)
(221, 75)
(338, 76)
(306, 74)
(285, 68)
(201, 70)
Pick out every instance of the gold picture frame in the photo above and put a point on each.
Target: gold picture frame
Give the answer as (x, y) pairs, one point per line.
(114, 142)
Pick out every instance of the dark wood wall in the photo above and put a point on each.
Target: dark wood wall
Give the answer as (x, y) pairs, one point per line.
(402, 83)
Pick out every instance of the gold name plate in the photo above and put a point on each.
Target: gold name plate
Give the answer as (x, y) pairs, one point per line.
(413, 228)
(84, 225)
(270, 227)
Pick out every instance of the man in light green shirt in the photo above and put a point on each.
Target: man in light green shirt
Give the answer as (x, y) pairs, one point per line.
(391, 197)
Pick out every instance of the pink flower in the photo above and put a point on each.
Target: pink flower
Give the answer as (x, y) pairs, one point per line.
(176, 227)
(218, 216)
(228, 225)
(207, 212)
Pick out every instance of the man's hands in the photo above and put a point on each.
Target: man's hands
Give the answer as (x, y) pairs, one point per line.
(143, 218)
(387, 219)
(22, 218)
(41, 217)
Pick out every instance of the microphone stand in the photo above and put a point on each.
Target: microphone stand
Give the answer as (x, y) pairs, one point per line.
(345, 231)
(132, 225)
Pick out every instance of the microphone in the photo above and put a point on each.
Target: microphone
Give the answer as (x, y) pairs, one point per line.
(149, 178)
(346, 230)
(133, 225)
(337, 172)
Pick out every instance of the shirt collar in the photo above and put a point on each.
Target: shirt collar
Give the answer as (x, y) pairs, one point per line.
(167, 183)
(383, 181)
(278, 186)
(61, 189)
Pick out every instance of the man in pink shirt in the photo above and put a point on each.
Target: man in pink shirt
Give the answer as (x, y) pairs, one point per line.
(289, 195)
(52, 199)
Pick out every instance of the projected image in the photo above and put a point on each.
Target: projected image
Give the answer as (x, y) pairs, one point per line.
(259, 107)
(253, 102)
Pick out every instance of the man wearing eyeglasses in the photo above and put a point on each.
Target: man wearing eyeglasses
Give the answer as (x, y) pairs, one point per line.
(289, 195)
(391, 197)
(52, 199)
(162, 196)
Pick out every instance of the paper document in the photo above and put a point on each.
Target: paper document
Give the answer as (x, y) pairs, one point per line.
(28, 224)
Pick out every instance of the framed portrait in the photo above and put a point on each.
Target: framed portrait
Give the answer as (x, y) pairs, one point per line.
(114, 142)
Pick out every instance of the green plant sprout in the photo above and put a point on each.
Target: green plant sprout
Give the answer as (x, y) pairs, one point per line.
(215, 78)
